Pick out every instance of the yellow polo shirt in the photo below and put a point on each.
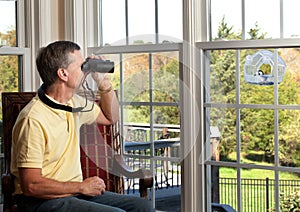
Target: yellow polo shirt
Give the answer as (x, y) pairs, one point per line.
(48, 139)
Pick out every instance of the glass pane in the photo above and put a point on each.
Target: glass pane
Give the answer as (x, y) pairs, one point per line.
(222, 16)
(289, 186)
(165, 68)
(8, 23)
(222, 76)
(8, 75)
(226, 191)
(141, 21)
(164, 185)
(170, 20)
(257, 94)
(137, 130)
(290, 14)
(288, 89)
(168, 115)
(288, 132)
(222, 134)
(136, 77)
(166, 122)
(262, 15)
(257, 136)
(256, 184)
(136, 123)
(114, 31)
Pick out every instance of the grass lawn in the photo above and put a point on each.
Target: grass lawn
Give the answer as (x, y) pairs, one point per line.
(254, 187)
(255, 173)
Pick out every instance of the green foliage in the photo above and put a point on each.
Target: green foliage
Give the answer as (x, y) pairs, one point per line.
(289, 202)
(9, 73)
(225, 31)
(254, 33)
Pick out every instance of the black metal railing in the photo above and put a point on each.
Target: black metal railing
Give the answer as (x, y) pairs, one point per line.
(164, 159)
(256, 194)
(166, 172)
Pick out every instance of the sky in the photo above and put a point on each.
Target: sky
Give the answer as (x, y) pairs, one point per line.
(7, 15)
(264, 12)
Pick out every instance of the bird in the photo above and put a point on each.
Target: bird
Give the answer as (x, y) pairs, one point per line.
(261, 77)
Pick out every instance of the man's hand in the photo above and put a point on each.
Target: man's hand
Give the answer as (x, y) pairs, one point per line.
(103, 82)
(92, 186)
(102, 79)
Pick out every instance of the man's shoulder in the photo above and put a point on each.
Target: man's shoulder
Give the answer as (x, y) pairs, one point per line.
(34, 108)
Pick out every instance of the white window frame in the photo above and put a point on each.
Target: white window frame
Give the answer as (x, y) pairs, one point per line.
(26, 74)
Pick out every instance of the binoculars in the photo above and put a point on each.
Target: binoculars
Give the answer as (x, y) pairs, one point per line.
(97, 65)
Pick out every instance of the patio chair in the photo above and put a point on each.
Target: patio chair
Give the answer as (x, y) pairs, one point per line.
(107, 163)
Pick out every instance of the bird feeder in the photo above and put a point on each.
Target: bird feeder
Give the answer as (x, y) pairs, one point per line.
(259, 68)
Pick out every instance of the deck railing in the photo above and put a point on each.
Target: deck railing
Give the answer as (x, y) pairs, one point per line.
(257, 194)
(165, 158)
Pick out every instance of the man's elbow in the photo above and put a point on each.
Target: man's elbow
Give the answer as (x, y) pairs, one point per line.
(107, 120)
(113, 119)
(29, 190)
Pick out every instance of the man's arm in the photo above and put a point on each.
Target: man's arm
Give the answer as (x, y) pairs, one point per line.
(34, 184)
(109, 103)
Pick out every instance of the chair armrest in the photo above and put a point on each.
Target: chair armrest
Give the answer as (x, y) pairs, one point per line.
(8, 189)
(121, 167)
(145, 176)
(8, 186)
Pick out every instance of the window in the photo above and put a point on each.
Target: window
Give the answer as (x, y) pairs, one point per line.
(252, 160)
(141, 40)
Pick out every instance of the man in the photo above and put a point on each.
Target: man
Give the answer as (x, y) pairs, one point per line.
(45, 144)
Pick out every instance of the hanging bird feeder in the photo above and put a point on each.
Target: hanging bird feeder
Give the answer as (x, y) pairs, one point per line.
(259, 68)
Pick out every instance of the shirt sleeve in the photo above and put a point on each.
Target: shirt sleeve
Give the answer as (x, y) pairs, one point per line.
(29, 142)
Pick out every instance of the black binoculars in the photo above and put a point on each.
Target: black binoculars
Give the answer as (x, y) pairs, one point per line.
(97, 65)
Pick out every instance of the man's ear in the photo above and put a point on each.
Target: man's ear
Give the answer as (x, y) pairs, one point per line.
(62, 74)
